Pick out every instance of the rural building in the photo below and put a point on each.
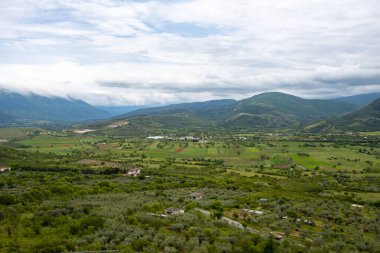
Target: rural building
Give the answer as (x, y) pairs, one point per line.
(357, 206)
(195, 196)
(82, 131)
(189, 138)
(277, 236)
(174, 210)
(133, 173)
(257, 212)
(308, 222)
(159, 137)
(4, 169)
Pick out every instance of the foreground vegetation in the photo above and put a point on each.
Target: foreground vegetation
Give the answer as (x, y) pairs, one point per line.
(261, 192)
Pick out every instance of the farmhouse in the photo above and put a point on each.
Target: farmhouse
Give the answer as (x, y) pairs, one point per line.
(133, 173)
(174, 210)
(158, 137)
(308, 222)
(83, 131)
(257, 212)
(4, 169)
(189, 138)
(277, 236)
(195, 196)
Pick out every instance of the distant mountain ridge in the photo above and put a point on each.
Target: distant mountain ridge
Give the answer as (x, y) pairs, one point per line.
(271, 110)
(360, 100)
(266, 110)
(365, 119)
(15, 107)
(117, 110)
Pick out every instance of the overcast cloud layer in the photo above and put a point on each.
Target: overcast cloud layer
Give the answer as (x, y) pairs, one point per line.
(151, 52)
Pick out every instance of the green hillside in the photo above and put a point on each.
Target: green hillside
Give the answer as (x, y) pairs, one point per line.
(303, 109)
(366, 119)
(267, 110)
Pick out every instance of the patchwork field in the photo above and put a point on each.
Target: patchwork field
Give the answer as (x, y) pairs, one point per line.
(72, 192)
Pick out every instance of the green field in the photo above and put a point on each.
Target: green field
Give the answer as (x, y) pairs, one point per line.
(69, 192)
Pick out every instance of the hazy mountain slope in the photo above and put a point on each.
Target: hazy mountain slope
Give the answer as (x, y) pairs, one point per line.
(365, 119)
(5, 117)
(118, 110)
(359, 100)
(33, 107)
(209, 110)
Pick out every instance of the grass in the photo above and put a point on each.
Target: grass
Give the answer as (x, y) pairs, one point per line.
(323, 155)
(253, 174)
(14, 133)
(57, 145)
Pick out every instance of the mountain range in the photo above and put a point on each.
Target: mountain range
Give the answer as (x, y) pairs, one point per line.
(272, 110)
(15, 107)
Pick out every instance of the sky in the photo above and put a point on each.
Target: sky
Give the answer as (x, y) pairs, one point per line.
(121, 52)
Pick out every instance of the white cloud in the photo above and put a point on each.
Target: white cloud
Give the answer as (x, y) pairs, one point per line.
(128, 52)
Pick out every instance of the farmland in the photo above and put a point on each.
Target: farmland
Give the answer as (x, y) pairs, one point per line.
(290, 192)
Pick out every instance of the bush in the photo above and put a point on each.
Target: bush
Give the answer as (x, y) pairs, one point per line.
(7, 199)
(139, 244)
(92, 221)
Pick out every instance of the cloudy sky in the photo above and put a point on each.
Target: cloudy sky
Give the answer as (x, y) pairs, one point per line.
(125, 52)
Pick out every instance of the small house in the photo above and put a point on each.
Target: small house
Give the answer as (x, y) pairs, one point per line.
(277, 236)
(189, 138)
(257, 212)
(195, 196)
(158, 137)
(133, 173)
(4, 169)
(308, 222)
(173, 210)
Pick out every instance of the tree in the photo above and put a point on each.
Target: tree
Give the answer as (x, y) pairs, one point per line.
(217, 209)
(269, 246)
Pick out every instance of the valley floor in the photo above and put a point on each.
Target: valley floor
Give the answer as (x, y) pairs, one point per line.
(256, 192)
